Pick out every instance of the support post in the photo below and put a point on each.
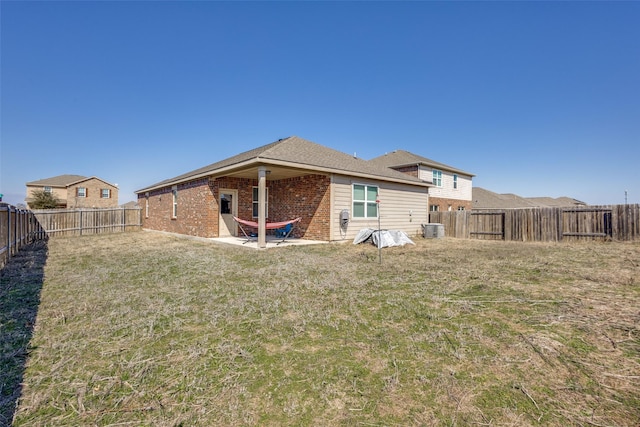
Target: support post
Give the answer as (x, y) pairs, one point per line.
(262, 196)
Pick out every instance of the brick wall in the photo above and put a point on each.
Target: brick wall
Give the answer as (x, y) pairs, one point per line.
(444, 204)
(93, 190)
(198, 212)
(409, 170)
(308, 197)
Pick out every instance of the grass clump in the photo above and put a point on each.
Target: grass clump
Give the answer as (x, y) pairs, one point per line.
(150, 329)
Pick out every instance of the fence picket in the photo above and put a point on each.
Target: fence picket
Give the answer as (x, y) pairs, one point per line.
(617, 222)
(74, 222)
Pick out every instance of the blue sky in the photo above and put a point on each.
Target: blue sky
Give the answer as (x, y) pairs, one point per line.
(534, 98)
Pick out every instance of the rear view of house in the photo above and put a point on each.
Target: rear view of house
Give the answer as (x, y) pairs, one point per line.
(452, 187)
(76, 191)
(334, 193)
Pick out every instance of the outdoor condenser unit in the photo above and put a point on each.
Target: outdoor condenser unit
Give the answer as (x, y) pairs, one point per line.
(432, 231)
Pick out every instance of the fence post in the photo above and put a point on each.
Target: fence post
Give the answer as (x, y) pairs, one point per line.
(9, 245)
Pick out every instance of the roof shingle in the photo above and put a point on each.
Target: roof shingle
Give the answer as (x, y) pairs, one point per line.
(58, 181)
(399, 158)
(300, 153)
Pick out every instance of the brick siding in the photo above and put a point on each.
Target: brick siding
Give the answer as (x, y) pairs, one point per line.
(409, 170)
(196, 216)
(93, 199)
(444, 204)
(198, 211)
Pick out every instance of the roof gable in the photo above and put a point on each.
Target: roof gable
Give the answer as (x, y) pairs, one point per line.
(297, 153)
(400, 158)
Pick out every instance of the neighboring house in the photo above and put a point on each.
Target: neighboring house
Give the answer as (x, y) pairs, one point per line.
(286, 179)
(485, 199)
(76, 191)
(452, 187)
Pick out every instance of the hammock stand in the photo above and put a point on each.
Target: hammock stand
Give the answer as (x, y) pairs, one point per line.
(268, 226)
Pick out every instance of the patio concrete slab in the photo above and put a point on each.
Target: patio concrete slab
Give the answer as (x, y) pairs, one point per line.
(272, 242)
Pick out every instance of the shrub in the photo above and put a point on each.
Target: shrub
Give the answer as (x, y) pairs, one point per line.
(44, 200)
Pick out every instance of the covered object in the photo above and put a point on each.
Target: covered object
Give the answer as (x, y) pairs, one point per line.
(387, 238)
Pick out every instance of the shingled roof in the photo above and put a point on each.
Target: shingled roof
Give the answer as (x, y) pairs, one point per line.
(58, 181)
(399, 158)
(298, 153)
(485, 199)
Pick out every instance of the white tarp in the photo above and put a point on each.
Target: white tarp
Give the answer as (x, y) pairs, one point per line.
(387, 237)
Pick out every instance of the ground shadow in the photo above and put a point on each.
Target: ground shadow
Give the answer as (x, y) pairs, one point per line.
(20, 285)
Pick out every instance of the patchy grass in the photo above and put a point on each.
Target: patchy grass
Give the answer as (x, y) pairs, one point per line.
(149, 329)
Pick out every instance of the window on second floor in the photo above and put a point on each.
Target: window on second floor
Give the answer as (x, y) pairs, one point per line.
(455, 181)
(48, 190)
(105, 193)
(81, 192)
(437, 178)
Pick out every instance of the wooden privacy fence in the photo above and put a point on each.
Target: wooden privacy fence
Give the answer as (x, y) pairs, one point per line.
(77, 222)
(18, 228)
(618, 222)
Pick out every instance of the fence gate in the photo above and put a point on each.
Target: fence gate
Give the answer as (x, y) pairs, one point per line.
(487, 225)
(590, 223)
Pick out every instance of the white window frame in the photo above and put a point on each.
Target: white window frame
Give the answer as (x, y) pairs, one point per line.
(174, 205)
(455, 181)
(365, 204)
(81, 192)
(105, 193)
(254, 202)
(146, 205)
(437, 177)
(47, 189)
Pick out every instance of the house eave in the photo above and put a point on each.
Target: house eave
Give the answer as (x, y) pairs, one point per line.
(258, 161)
(434, 166)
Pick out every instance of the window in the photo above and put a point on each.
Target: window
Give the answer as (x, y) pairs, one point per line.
(105, 193)
(174, 191)
(455, 181)
(460, 208)
(47, 190)
(81, 192)
(434, 208)
(364, 201)
(254, 198)
(146, 205)
(437, 178)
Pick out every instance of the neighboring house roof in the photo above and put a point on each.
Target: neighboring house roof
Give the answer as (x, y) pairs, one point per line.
(485, 199)
(64, 181)
(58, 181)
(295, 152)
(557, 202)
(399, 158)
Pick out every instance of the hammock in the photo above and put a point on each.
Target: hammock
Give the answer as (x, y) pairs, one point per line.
(286, 225)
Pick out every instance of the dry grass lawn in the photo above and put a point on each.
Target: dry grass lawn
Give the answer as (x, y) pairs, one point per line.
(148, 329)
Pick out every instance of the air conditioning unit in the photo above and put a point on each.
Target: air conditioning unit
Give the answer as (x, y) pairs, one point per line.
(432, 231)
